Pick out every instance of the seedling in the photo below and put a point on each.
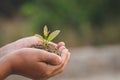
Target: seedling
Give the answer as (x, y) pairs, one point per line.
(47, 37)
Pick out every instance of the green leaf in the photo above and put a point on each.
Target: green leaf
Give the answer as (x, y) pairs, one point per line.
(45, 31)
(39, 36)
(53, 35)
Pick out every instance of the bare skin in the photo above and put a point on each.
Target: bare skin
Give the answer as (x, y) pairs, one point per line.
(19, 58)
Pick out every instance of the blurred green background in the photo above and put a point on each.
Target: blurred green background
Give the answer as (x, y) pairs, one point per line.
(90, 29)
(82, 22)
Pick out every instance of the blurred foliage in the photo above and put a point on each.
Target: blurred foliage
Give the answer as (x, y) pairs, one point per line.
(87, 21)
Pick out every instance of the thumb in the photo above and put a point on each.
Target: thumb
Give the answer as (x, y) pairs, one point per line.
(27, 42)
(44, 56)
(50, 58)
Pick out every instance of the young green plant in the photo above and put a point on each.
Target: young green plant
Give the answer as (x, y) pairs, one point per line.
(47, 37)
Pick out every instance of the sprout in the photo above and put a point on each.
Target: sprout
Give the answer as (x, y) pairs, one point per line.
(46, 36)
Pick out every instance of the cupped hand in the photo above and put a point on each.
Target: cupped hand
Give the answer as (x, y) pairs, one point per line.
(21, 43)
(37, 64)
(34, 63)
(24, 43)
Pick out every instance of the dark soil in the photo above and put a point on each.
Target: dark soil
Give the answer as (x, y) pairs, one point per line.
(50, 48)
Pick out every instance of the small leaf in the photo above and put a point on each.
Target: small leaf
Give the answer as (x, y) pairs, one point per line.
(53, 35)
(39, 36)
(45, 31)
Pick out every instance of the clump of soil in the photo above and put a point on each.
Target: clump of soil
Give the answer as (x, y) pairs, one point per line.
(50, 48)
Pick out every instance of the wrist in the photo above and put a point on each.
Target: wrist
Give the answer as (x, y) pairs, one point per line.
(5, 68)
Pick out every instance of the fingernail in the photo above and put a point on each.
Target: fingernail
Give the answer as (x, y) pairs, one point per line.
(61, 48)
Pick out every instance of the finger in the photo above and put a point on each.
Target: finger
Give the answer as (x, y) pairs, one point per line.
(47, 57)
(21, 43)
(61, 48)
(50, 58)
(44, 56)
(53, 44)
(65, 57)
(27, 42)
(61, 69)
(60, 44)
